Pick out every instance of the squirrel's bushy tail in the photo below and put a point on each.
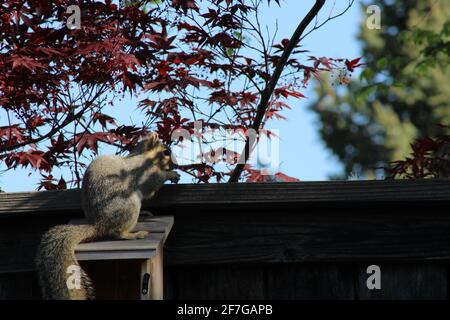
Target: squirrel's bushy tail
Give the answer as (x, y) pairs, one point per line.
(56, 262)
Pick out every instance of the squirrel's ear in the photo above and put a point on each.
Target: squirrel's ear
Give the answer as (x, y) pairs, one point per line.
(152, 138)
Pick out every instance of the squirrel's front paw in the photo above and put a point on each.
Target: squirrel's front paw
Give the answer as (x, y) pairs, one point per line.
(173, 176)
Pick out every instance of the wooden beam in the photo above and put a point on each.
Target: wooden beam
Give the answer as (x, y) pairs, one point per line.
(311, 236)
(330, 193)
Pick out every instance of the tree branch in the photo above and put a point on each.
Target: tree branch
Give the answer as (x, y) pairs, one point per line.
(68, 120)
(268, 91)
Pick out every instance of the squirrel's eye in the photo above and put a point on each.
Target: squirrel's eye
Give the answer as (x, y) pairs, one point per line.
(167, 152)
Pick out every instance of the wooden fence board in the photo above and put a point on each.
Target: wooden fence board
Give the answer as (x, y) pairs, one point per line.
(183, 196)
(310, 282)
(314, 236)
(296, 241)
(223, 282)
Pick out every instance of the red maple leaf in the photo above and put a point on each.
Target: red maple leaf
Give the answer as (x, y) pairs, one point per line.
(25, 62)
(352, 64)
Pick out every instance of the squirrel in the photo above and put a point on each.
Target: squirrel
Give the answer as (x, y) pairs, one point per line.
(112, 191)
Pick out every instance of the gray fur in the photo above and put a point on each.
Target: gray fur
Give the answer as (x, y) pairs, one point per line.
(112, 192)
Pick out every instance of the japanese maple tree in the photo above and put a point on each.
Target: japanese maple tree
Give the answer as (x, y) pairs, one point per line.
(430, 158)
(208, 61)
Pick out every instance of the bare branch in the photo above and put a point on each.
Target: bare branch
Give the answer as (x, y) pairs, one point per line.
(268, 91)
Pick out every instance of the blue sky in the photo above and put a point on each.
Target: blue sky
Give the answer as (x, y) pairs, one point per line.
(302, 153)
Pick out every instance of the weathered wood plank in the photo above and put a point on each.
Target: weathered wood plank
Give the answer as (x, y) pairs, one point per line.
(303, 193)
(154, 268)
(114, 279)
(251, 281)
(313, 236)
(158, 228)
(310, 282)
(40, 202)
(223, 282)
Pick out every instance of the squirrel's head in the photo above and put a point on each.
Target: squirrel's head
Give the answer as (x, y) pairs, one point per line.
(156, 151)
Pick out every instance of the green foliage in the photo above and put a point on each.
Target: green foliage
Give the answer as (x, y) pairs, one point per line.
(401, 95)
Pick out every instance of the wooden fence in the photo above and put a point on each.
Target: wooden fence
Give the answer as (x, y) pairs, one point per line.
(307, 240)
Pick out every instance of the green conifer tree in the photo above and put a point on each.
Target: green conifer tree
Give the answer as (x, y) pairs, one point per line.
(402, 94)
